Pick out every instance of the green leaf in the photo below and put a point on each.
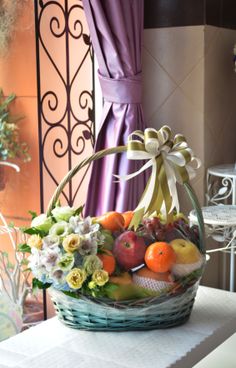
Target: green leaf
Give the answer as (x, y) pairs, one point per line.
(33, 214)
(5, 254)
(10, 265)
(24, 262)
(33, 230)
(26, 270)
(78, 211)
(24, 248)
(71, 294)
(39, 285)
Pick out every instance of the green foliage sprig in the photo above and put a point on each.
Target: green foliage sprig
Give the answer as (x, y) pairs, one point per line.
(10, 145)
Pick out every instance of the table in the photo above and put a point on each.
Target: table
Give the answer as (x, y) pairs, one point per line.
(228, 184)
(222, 356)
(220, 220)
(53, 345)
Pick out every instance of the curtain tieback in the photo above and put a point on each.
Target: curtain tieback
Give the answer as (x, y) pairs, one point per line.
(127, 90)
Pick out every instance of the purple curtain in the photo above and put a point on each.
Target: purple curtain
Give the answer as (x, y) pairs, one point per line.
(116, 33)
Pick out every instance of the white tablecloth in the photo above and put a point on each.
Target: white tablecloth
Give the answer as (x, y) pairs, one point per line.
(53, 345)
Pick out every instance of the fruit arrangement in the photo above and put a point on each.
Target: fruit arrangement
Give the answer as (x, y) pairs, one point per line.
(105, 257)
(136, 270)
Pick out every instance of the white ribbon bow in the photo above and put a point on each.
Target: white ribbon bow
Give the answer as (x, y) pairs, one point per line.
(170, 160)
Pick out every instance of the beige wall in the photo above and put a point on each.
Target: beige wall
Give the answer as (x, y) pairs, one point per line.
(173, 74)
(220, 96)
(190, 84)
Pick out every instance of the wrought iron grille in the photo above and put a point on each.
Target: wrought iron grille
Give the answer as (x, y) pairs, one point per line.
(65, 80)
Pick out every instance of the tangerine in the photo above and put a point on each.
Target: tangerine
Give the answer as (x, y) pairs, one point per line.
(112, 221)
(128, 215)
(108, 260)
(160, 257)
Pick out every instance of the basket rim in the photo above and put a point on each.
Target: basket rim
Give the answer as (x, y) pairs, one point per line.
(130, 303)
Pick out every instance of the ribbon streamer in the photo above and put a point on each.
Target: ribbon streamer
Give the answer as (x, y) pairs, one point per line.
(170, 161)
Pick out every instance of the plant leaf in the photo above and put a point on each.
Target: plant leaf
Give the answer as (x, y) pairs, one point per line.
(33, 214)
(24, 262)
(33, 230)
(39, 285)
(78, 211)
(24, 248)
(72, 294)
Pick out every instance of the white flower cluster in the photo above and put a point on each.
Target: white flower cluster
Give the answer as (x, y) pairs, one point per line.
(67, 255)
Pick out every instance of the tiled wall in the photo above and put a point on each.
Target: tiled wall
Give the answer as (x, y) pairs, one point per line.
(173, 80)
(220, 96)
(190, 84)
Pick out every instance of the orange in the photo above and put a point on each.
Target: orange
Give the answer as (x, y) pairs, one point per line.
(160, 257)
(108, 260)
(128, 215)
(112, 221)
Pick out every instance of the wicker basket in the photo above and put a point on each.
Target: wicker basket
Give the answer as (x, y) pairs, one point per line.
(104, 314)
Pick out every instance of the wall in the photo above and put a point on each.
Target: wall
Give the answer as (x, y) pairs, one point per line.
(18, 75)
(173, 74)
(220, 91)
(190, 84)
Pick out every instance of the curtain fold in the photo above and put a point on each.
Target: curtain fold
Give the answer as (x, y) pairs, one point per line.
(116, 33)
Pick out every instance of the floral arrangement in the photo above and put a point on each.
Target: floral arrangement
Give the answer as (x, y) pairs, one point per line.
(106, 257)
(64, 250)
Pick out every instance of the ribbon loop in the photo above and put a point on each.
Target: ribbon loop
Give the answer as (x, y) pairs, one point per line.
(170, 160)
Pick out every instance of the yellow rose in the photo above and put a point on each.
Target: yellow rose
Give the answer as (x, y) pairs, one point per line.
(72, 243)
(100, 277)
(35, 241)
(75, 278)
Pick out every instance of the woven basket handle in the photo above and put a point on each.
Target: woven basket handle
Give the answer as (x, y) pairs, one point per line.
(74, 170)
(119, 149)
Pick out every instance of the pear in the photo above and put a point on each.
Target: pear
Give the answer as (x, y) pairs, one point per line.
(188, 257)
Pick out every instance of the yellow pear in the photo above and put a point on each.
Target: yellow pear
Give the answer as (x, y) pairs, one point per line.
(186, 252)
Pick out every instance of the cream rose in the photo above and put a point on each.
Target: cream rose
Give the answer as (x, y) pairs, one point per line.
(100, 277)
(76, 278)
(72, 243)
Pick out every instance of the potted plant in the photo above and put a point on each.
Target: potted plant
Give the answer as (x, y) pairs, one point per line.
(19, 306)
(10, 145)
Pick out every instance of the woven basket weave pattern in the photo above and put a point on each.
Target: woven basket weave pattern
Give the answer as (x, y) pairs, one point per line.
(88, 315)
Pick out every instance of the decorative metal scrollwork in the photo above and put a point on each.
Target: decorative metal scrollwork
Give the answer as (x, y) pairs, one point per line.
(219, 191)
(65, 94)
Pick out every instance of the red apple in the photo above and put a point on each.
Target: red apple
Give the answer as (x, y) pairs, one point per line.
(129, 250)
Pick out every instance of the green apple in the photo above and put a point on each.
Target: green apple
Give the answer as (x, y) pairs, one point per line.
(186, 252)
